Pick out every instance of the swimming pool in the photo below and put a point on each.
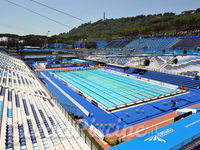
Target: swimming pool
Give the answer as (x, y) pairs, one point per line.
(112, 90)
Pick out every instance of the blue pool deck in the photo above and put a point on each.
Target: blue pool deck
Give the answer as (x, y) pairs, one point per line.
(170, 137)
(121, 119)
(111, 90)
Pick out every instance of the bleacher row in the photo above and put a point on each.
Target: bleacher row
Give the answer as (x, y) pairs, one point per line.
(152, 43)
(118, 43)
(173, 79)
(187, 43)
(11, 64)
(29, 119)
(182, 43)
(185, 65)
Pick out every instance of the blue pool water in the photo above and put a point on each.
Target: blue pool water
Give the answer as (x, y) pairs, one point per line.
(109, 89)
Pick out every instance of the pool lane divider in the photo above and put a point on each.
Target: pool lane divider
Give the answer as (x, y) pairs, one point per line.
(143, 79)
(115, 107)
(69, 97)
(101, 78)
(89, 89)
(78, 92)
(135, 82)
(101, 89)
(113, 88)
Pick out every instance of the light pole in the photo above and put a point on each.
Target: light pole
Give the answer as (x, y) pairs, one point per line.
(45, 43)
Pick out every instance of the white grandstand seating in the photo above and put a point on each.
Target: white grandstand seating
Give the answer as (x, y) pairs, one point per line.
(185, 64)
(135, 61)
(29, 117)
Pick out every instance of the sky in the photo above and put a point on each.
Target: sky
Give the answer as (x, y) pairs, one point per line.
(16, 20)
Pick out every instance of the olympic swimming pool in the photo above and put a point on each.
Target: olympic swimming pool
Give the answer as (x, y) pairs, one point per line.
(112, 90)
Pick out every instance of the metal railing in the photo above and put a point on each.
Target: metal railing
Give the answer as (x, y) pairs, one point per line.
(88, 139)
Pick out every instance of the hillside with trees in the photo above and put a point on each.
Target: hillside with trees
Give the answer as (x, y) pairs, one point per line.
(167, 24)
